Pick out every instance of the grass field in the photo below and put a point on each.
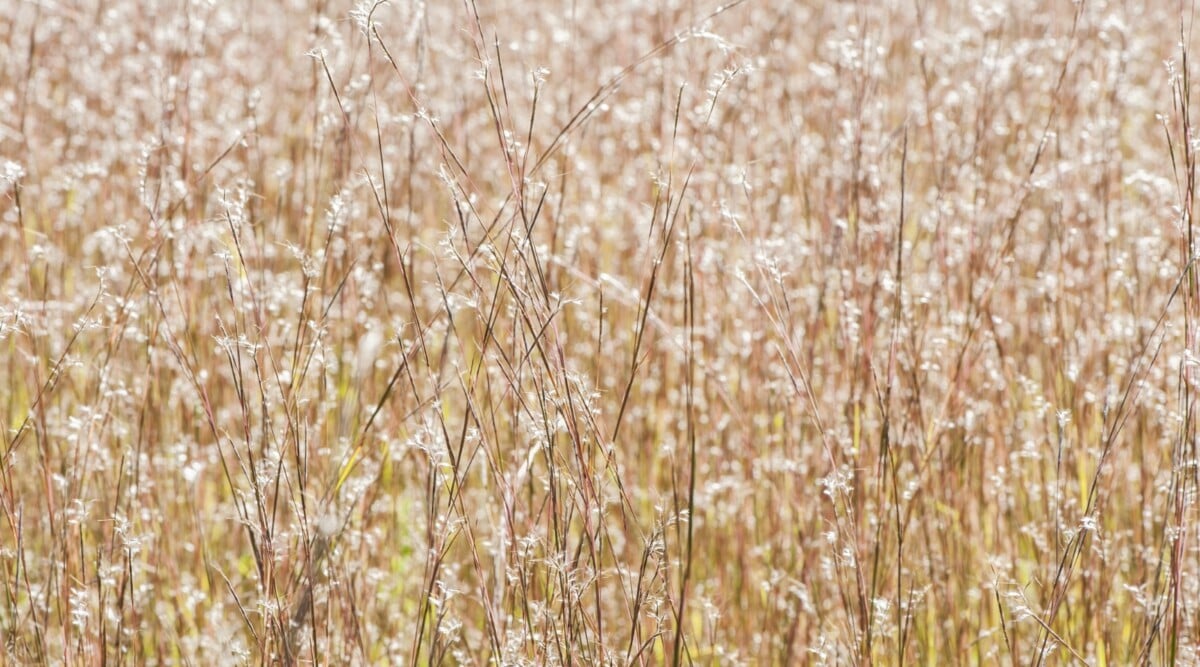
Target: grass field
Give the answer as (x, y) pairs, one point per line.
(568, 332)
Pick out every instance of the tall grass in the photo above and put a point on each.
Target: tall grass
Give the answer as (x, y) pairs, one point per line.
(598, 333)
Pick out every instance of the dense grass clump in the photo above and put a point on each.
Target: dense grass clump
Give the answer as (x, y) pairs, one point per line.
(613, 333)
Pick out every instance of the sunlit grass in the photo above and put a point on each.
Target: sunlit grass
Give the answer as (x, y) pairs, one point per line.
(597, 333)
